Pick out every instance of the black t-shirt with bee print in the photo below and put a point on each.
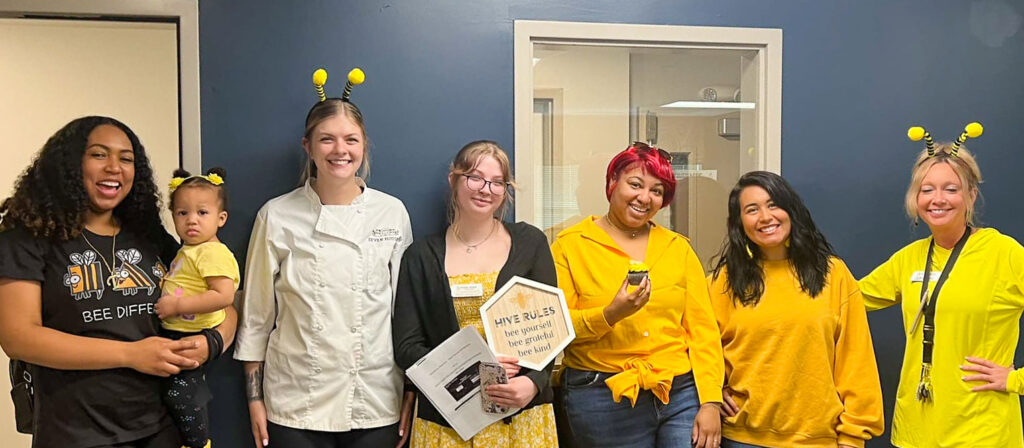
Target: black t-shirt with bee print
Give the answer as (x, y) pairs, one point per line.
(104, 290)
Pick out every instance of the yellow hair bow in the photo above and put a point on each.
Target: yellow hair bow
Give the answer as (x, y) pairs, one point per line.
(212, 178)
(175, 183)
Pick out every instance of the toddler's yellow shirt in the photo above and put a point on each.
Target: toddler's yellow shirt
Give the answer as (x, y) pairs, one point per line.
(189, 271)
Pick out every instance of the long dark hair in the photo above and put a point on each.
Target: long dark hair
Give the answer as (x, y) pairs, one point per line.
(809, 252)
(50, 200)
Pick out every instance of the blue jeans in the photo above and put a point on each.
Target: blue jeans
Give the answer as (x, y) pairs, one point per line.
(597, 421)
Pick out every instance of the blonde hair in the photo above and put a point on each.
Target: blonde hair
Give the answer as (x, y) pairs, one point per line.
(467, 159)
(963, 164)
(323, 111)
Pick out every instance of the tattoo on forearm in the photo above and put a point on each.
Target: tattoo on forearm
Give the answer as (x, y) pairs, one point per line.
(254, 384)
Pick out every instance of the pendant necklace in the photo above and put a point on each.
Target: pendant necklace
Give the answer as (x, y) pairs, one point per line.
(472, 247)
(630, 233)
(112, 278)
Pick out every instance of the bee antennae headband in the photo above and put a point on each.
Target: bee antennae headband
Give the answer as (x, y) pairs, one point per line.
(972, 130)
(355, 77)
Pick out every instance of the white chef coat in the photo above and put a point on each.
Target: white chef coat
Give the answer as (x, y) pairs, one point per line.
(319, 289)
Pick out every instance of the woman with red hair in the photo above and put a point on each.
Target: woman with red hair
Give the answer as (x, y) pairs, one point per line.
(656, 345)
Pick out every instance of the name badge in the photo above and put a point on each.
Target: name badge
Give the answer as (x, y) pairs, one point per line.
(918, 276)
(468, 290)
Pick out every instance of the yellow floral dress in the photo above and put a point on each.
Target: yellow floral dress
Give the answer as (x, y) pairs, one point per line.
(532, 428)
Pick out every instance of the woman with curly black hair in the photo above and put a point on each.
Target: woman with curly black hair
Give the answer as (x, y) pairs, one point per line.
(82, 252)
(799, 367)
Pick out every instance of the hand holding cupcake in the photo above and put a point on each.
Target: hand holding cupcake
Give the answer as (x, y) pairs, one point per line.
(637, 271)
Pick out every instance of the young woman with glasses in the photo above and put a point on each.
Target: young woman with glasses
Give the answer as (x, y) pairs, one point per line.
(480, 253)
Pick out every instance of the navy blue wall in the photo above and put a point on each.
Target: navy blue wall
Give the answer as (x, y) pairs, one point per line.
(856, 74)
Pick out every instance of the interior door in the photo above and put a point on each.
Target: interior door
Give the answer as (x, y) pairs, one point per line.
(53, 71)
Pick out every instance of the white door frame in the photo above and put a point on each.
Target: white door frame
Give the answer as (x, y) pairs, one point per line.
(767, 41)
(183, 12)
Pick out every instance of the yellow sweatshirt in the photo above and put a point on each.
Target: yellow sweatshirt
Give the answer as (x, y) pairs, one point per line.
(671, 335)
(977, 314)
(801, 369)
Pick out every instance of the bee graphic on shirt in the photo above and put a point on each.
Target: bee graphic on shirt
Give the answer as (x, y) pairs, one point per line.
(160, 272)
(129, 277)
(84, 276)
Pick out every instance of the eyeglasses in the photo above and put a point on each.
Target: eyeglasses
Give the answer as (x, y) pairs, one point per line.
(477, 183)
(641, 146)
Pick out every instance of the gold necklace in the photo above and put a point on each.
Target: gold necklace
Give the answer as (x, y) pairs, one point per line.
(630, 233)
(112, 278)
(471, 247)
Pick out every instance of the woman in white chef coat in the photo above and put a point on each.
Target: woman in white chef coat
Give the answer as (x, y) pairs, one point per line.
(322, 265)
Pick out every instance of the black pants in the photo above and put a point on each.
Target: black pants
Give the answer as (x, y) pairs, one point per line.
(186, 396)
(166, 438)
(285, 437)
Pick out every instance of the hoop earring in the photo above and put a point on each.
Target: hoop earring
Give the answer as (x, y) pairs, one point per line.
(750, 253)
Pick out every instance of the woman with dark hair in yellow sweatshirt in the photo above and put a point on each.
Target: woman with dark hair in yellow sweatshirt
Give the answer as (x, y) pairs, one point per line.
(799, 366)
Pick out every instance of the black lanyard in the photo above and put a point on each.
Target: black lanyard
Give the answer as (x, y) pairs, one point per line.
(929, 307)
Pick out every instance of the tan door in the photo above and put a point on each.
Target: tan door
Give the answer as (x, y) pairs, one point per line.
(53, 71)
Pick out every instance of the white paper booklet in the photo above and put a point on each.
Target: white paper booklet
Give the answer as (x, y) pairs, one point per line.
(449, 376)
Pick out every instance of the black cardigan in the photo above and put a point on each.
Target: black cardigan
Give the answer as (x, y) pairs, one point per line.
(424, 315)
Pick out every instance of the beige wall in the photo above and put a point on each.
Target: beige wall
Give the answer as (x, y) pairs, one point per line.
(52, 71)
(594, 85)
(665, 76)
(598, 86)
(707, 198)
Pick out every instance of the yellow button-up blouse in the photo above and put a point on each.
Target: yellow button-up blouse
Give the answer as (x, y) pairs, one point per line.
(673, 334)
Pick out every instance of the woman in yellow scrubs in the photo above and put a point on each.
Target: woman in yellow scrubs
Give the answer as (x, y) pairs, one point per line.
(962, 294)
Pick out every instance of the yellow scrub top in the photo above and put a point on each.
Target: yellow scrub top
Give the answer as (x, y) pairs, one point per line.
(977, 314)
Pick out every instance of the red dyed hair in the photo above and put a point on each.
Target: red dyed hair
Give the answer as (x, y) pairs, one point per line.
(651, 160)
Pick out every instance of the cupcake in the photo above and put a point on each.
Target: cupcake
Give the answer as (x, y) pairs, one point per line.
(637, 272)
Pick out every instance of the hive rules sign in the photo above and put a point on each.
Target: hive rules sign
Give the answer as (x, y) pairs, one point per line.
(528, 320)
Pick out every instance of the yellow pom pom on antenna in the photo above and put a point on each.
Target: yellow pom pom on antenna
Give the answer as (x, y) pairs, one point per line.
(356, 76)
(320, 77)
(915, 133)
(974, 130)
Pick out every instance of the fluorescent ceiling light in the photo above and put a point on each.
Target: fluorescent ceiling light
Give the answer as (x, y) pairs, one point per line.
(708, 105)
